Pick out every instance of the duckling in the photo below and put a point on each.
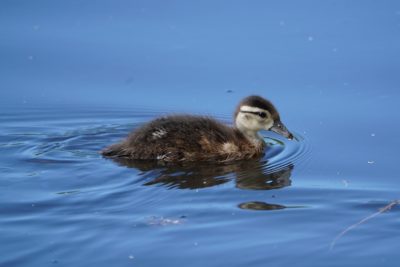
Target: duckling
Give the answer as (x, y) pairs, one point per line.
(179, 138)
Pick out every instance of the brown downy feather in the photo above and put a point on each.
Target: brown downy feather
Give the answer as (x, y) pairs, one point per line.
(185, 138)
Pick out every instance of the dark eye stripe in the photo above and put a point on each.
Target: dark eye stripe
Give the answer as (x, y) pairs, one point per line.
(261, 114)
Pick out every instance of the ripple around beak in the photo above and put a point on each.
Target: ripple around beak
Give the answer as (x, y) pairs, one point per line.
(281, 129)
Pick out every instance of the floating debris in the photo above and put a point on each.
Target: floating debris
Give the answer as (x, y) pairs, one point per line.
(371, 162)
(380, 211)
(161, 221)
(68, 192)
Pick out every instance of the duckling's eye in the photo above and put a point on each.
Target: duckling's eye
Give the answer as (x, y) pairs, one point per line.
(262, 114)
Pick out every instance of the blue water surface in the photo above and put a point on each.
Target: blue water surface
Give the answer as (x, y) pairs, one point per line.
(76, 76)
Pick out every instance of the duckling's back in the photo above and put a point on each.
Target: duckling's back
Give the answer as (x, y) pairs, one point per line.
(184, 138)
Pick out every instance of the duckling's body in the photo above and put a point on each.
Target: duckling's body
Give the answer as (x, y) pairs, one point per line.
(186, 138)
(197, 138)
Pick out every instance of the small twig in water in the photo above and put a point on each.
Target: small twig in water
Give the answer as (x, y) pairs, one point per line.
(380, 211)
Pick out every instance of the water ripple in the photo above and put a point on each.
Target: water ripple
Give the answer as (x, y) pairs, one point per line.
(74, 143)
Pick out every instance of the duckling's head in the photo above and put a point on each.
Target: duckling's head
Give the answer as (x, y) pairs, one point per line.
(255, 113)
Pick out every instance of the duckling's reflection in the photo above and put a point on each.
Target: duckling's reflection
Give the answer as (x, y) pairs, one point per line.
(249, 174)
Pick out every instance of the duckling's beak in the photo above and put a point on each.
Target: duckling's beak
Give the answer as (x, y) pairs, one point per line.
(281, 129)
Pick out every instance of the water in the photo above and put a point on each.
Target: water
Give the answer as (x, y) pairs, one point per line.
(78, 77)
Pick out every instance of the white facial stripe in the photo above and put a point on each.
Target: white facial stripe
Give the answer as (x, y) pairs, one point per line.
(251, 109)
(254, 109)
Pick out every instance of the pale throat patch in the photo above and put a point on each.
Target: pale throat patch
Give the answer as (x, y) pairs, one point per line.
(250, 125)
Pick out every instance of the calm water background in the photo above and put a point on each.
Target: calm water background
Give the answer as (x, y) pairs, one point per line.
(76, 76)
